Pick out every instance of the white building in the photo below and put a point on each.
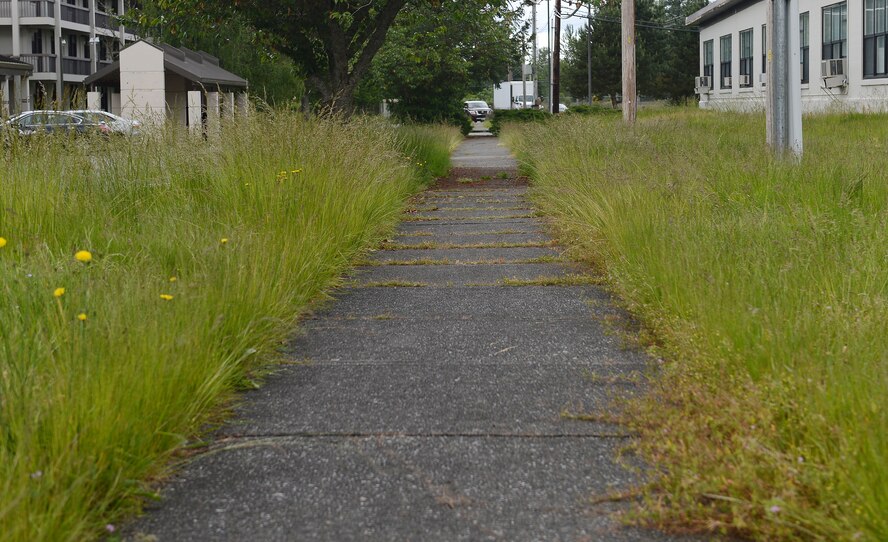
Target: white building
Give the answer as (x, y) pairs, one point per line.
(156, 83)
(84, 34)
(844, 65)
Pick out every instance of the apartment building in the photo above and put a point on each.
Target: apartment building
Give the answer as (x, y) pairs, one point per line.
(64, 41)
(842, 54)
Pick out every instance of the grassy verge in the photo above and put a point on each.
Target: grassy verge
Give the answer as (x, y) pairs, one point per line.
(766, 286)
(201, 256)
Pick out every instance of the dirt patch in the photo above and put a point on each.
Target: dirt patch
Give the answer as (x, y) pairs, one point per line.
(464, 177)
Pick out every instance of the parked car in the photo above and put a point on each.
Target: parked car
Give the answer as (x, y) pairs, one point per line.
(34, 122)
(118, 124)
(478, 110)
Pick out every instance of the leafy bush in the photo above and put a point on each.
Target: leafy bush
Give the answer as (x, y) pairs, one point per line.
(502, 116)
(586, 110)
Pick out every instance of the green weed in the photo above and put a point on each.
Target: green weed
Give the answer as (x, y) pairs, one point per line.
(203, 255)
(766, 285)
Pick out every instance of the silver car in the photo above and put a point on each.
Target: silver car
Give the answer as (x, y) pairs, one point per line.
(117, 124)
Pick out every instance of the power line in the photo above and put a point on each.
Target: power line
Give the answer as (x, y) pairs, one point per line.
(644, 24)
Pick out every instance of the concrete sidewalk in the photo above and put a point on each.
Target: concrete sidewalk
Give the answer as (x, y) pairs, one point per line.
(431, 411)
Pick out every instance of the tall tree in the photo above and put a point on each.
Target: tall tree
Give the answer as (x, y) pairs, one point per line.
(435, 55)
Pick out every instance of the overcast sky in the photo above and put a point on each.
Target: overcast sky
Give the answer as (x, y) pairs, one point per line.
(544, 6)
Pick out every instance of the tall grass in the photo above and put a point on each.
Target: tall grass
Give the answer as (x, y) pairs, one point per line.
(766, 286)
(204, 253)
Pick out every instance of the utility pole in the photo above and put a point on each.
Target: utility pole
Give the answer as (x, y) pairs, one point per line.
(533, 73)
(589, 52)
(628, 22)
(549, 43)
(556, 60)
(784, 105)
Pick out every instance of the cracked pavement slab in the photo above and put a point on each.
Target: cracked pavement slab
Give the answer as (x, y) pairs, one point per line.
(432, 413)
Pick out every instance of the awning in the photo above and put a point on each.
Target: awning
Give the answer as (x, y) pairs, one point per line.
(196, 66)
(11, 66)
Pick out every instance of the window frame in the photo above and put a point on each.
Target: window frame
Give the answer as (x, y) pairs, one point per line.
(709, 69)
(764, 48)
(805, 46)
(746, 38)
(875, 40)
(828, 48)
(725, 66)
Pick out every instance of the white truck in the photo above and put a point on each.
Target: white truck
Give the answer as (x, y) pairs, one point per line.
(513, 95)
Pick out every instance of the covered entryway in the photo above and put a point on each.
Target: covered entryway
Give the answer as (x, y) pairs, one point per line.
(155, 83)
(14, 95)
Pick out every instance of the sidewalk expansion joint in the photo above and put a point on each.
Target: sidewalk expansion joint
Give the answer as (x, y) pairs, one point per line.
(401, 434)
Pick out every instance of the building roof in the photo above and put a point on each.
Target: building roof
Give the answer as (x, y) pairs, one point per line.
(716, 10)
(195, 66)
(12, 66)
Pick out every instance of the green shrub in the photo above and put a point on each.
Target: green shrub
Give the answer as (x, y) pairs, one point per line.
(502, 116)
(586, 110)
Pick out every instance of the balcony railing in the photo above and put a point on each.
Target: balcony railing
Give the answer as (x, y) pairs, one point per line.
(74, 14)
(5, 9)
(37, 9)
(104, 20)
(42, 63)
(76, 66)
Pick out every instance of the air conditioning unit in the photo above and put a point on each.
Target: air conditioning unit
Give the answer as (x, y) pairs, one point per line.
(763, 78)
(702, 84)
(745, 81)
(726, 82)
(834, 72)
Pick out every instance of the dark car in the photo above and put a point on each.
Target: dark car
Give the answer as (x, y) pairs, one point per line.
(478, 110)
(34, 122)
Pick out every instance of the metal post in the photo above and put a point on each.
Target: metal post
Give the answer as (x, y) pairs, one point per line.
(794, 128)
(556, 60)
(59, 43)
(549, 48)
(93, 40)
(533, 73)
(784, 106)
(628, 23)
(589, 52)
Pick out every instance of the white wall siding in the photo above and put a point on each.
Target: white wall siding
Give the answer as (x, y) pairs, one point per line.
(870, 95)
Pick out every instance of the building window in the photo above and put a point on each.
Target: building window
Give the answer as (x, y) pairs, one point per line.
(72, 46)
(764, 48)
(835, 31)
(874, 36)
(724, 51)
(745, 58)
(37, 42)
(708, 59)
(805, 52)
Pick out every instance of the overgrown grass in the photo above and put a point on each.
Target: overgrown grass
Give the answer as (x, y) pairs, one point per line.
(766, 285)
(204, 253)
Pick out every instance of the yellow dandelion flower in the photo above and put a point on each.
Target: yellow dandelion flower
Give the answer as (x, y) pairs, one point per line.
(166, 297)
(83, 256)
(173, 279)
(2, 242)
(296, 171)
(82, 316)
(224, 240)
(58, 292)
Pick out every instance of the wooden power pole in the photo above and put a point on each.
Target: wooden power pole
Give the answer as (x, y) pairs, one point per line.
(629, 93)
(556, 60)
